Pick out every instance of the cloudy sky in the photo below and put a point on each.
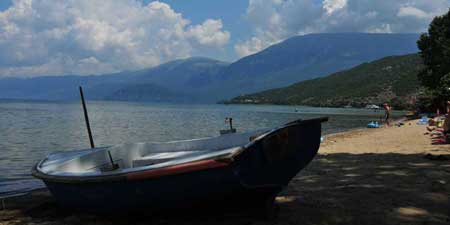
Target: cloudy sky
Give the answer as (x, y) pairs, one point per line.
(56, 37)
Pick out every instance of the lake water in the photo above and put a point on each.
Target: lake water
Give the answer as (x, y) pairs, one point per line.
(30, 130)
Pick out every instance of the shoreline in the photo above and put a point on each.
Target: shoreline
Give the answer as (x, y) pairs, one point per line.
(359, 130)
(360, 176)
(313, 106)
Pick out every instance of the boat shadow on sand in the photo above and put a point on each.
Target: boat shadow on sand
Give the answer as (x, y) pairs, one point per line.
(333, 189)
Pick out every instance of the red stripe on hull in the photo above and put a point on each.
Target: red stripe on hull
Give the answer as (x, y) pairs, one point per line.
(178, 169)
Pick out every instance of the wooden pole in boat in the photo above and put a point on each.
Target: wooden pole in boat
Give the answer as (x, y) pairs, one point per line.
(86, 118)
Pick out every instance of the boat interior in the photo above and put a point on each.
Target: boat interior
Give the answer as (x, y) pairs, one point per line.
(137, 156)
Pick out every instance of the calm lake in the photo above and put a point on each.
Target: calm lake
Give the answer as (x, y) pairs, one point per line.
(30, 130)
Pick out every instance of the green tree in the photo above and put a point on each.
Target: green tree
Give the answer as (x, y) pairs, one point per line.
(435, 52)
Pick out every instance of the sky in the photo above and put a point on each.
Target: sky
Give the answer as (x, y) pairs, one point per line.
(83, 37)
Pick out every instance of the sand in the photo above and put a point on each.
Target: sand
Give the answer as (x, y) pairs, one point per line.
(407, 139)
(377, 176)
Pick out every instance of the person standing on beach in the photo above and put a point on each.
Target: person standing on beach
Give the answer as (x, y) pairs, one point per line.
(387, 114)
(448, 107)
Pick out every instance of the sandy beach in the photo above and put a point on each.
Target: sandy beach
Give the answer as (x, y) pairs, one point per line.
(378, 176)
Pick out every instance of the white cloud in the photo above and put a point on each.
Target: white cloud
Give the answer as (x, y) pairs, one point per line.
(249, 47)
(412, 11)
(209, 33)
(272, 23)
(53, 37)
(276, 20)
(331, 6)
(382, 28)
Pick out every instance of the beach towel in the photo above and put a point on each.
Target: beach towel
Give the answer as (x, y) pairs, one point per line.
(373, 124)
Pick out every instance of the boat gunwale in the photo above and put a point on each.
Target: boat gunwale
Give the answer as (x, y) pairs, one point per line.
(134, 175)
(122, 175)
(125, 176)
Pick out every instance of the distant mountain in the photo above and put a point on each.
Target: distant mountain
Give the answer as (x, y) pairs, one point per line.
(310, 56)
(144, 93)
(188, 77)
(178, 79)
(391, 79)
(207, 80)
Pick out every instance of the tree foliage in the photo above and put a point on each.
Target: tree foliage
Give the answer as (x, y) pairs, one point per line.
(435, 52)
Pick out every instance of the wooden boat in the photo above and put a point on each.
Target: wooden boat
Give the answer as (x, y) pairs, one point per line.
(236, 168)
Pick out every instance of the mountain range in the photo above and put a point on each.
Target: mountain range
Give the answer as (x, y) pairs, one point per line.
(207, 80)
(392, 79)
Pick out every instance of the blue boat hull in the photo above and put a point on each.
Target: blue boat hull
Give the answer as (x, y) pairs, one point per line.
(180, 191)
(254, 176)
